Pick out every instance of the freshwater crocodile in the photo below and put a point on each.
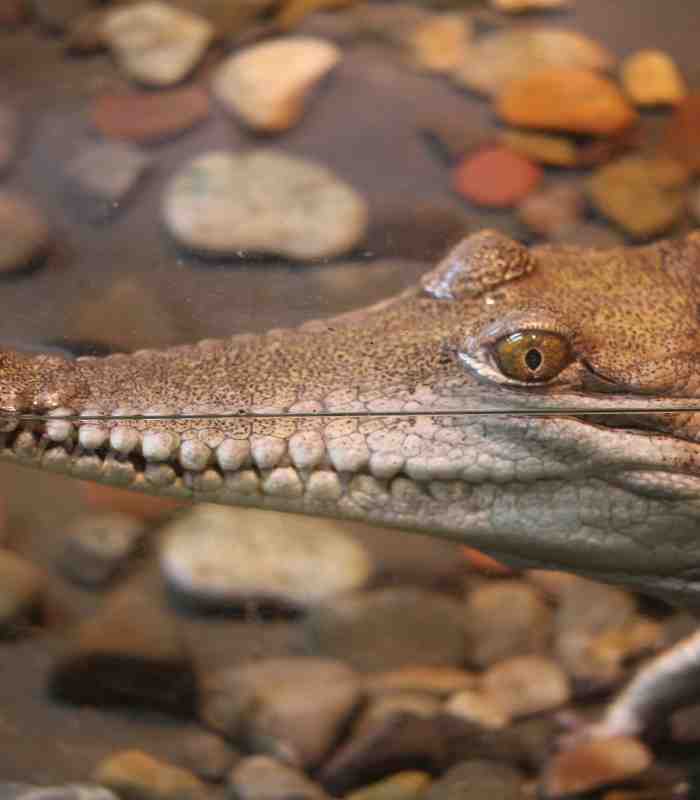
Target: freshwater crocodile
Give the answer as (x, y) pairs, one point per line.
(362, 417)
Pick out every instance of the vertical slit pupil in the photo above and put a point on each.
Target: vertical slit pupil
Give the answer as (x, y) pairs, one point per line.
(533, 359)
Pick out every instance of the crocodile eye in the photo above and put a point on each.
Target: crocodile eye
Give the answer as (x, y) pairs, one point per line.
(532, 356)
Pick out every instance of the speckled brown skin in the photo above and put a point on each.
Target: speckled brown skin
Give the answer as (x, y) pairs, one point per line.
(365, 414)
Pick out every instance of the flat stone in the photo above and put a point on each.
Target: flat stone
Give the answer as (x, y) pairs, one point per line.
(265, 778)
(477, 709)
(134, 775)
(681, 139)
(155, 43)
(595, 764)
(556, 151)
(631, 193)
(498, 58)
(58, 15)
(269, 699)
(9, 134)
(388, 629)
(521, 6)
(477, 779)
(268, 85)
(128, 653)
(147, 117)
(440, 681)
(71, 791)
(438, 43)
(22, 587)
(496, 177)
(207, 755)
(506, 618)
(407, 785)
(224, 557)
(223, 204)
(24, 232)
(566, 99)
(525, 685)
(651, 78)
(551, 211)
(455, 136)
(100, 179)
(97, 547)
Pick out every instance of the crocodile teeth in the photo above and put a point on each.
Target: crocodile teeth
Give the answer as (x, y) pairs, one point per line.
(194, 455)
(244, 482)
(160, 474)
(324, 485)
(306, 449)
(123, 440)
(208, 481)
(267, 451)
(232, 454)
(92, 435)
(60, 430)
(283, 482)
(386, 465)
(159, 445)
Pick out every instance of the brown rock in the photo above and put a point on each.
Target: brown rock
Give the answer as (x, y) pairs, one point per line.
(595, 764)
(149, 116)
(527, 685)
(21, 592)
(520, 6)
(635, 194)
(408, 785)
(589, 234)
(265, 778)
(651, 78)
(566, 99)
(12, 12)
(496, 177)
(134, 775)
(207, 755)
(477, 709)
(455, 136)
(438, 44)
(544, 148)
(85, 33)
(601, 149)
(145, 507)
(552, 211)
(9, 134)
(477, 780)
(24, 233)
(432, 680)
(682, 136)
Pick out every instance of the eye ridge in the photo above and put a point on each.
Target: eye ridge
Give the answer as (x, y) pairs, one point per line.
(532, 356)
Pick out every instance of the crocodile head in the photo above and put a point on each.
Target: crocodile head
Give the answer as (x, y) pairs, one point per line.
(424, 411)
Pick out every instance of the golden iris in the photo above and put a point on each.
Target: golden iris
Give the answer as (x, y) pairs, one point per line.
(532, 356)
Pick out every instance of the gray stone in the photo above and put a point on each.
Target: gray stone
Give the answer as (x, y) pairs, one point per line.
(264, 778)
(24, 232)
(101, 177)
(155, 43)
(269, 701)
(224, 557)
(71, 791)
(389, 628)
(22, 586)
(262, 201)
(98, 546)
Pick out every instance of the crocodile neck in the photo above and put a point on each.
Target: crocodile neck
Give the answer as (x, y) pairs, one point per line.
(361, 416)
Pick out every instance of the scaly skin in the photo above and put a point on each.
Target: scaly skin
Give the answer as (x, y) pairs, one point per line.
(616, 498)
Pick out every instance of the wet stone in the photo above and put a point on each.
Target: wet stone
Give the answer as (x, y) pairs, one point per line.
(389, 628)
(496, 59)
(263, 201)
(556, 151)
(129, 653)
(97, 547)
(12, 13)
(454, 136)
(631, 193)
(589, 234)
(553, 210)
(268, 85)
(207, 755)
(134, 775)
(440, 681)
(408, 785)
(267, 702)
(520, 6)
(155, 43)
(525, 685)
(475, 780)
(265, 778)
(24, 233)
(148, 117)
(651, 78)
(496, 177)
(100, 179)
(506, 618)
(223, 557)
(58, 15)
(594, 764)
(477, 709)
(22, 587)
(9, 132)
(438, 43)
(566, 99)
(85, 34)
(682, 136)
(71, 791)
(231, 21)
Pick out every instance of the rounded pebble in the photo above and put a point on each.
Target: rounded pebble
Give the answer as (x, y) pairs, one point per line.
(224, 557)
(24, 232)
(651, 78)
(22, 587)
(224, 204)
(496, 177)
(265, 778)
(552, 211)
(134, 774)
(527, 685)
